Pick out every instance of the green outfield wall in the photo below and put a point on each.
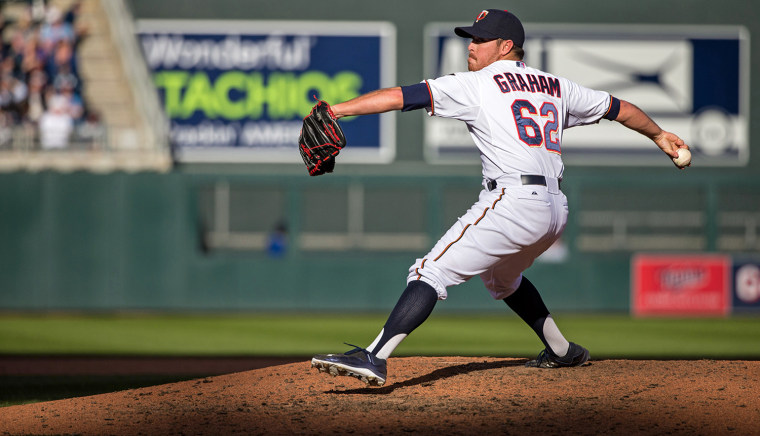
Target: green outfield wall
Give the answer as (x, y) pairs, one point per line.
(201, 237)
(84, 241)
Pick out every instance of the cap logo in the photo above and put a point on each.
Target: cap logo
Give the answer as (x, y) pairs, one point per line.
(481, 16)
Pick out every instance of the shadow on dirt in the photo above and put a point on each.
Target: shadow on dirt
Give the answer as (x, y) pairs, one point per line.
(438, 374)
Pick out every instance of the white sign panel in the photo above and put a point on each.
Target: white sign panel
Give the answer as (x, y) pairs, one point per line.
(692, 81)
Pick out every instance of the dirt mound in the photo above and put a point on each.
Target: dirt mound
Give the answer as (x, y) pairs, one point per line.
(425, 395)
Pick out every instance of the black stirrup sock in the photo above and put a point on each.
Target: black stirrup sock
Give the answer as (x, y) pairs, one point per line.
(412, 309)
(527, 303)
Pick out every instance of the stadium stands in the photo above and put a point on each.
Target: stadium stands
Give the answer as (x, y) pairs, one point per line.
(66, 100)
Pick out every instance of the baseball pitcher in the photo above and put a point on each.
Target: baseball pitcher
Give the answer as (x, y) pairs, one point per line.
(516, 116)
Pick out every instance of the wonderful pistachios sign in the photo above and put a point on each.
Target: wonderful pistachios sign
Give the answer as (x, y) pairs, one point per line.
(237, 91)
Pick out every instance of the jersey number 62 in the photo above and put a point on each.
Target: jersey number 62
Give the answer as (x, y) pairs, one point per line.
(529, 130)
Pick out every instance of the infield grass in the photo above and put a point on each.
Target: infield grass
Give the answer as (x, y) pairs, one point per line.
(607, 336)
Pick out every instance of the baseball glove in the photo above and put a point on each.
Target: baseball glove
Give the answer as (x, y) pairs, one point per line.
(321, 139)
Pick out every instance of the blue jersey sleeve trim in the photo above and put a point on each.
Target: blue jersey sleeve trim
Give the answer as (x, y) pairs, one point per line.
(614, 110)
(416, 96)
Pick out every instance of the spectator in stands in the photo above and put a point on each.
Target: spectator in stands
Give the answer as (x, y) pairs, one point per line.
(6, 134)
(7, 66)
(63, 62)
(91, 131)
(65, 87)
(54, 30)
(34, 56)
(6, 95)
(15, 52)
(72, 18)
(55, 125)
(25, 25)
(13, 96)
(35, 104)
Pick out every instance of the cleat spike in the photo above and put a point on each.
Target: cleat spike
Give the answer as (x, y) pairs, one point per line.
(357, 363)
(576, 356)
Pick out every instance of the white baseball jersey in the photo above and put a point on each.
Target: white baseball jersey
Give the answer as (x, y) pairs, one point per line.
(516, 114)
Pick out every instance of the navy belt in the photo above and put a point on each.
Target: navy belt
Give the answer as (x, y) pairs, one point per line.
(526, 179)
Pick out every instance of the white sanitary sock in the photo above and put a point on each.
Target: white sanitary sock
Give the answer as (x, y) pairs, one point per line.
(389, 346)
(554, 338)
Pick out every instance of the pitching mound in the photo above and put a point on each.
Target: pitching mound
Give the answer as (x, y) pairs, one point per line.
(428, 395)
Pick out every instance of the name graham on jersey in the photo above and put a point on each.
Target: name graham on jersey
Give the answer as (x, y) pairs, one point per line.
(508, 82)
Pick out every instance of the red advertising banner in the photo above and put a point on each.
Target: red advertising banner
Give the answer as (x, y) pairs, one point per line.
(680, 285)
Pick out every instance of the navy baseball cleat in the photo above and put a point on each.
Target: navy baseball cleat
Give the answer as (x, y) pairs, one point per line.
(358, 363)
(576, 356)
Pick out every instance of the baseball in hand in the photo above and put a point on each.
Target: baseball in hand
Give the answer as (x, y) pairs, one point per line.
(683, 159)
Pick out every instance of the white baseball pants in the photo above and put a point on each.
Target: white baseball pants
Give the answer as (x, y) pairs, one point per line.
(498, 238)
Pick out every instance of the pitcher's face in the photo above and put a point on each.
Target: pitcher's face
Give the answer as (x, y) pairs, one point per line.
(482, 52)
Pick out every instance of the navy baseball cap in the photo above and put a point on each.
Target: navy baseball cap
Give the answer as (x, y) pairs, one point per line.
(495, 23)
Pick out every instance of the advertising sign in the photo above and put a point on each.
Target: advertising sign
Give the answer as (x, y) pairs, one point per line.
(692, 80)
(237, 91)
(746, 278)
(680, 285)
